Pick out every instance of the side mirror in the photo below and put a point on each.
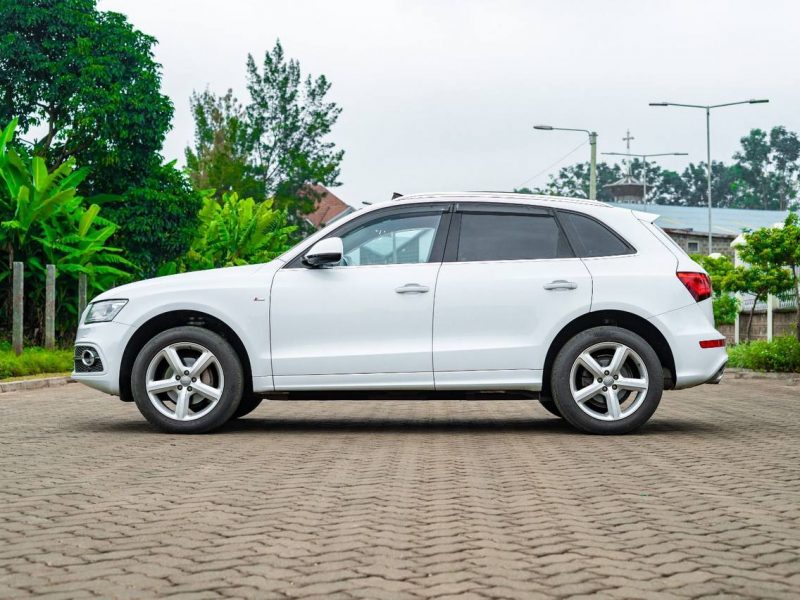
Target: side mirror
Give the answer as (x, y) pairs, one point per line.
(325, 252)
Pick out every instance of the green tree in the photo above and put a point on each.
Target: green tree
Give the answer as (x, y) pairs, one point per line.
(573, 181)
(774, 252)
(276, 145)
(768, 167)
(158, 219)
(87, 80)
(84, 84)
(220, 159)
(289, 119)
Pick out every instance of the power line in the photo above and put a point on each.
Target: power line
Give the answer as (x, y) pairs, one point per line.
(547, 168)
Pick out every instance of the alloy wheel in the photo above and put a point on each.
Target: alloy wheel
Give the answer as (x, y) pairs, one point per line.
(609, 381)
(184, 381)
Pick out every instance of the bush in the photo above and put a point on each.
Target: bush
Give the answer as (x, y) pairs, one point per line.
(33, 361)
(781, 354)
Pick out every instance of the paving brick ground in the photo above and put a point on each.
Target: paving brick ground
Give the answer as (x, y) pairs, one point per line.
(402, 500)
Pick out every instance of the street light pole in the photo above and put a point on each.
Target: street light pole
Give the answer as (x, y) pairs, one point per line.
(593, 155)
(708, 166)
(593, 166)
(707, 108)
(644, 158)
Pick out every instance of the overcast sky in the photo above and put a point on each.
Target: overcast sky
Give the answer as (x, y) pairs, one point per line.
(442, 94)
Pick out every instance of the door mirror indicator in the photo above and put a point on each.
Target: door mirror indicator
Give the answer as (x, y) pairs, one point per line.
(325, 252)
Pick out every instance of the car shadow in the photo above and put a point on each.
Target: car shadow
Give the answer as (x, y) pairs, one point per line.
(551, 425)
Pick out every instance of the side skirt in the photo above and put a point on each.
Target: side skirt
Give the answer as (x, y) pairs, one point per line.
(402, 395)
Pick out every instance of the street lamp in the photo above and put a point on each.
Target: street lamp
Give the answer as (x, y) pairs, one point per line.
(707, 108)
(644, 158)
(592, 163)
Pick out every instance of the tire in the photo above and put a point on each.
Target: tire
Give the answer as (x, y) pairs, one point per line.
(167, 399)
(246, 406)
(550, 406)
(614, 363)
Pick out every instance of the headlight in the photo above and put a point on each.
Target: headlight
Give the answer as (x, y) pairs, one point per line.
(105, 310)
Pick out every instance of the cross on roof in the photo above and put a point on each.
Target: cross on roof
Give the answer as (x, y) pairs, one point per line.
(627, 139)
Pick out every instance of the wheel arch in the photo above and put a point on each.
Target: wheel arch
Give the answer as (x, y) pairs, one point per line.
(176, 318)
(617, 318)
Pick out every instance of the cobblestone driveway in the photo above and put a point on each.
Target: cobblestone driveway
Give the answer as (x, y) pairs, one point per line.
(402, 500)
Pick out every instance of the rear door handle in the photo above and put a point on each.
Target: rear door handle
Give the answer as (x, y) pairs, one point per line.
(560, 284)
(412, 288)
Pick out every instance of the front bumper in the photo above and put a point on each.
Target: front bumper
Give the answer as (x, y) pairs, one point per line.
(108, 341)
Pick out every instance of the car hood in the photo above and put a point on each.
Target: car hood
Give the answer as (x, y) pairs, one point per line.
(197, 280)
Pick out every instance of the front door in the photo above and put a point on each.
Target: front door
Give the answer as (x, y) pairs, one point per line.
(509, 283)
(366, 322)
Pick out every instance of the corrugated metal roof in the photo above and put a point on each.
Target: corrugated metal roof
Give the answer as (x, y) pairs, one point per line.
(729, 221)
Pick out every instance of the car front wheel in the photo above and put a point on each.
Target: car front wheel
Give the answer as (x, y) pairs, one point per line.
(607, 380)
(187, 380)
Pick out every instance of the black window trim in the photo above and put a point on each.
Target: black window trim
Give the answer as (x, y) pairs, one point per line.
(498, 208)
(578, 246)
(424, 208)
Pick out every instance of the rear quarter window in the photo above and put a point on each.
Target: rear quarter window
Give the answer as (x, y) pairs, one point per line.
(591, 238)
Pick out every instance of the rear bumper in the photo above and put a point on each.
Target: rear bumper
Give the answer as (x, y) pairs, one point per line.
(683, 329)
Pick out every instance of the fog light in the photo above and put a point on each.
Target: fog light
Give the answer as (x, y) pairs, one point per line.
(713, 343)
(88, 357)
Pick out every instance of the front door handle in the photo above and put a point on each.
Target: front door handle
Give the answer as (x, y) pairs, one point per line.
(412, 288)
(560, 284)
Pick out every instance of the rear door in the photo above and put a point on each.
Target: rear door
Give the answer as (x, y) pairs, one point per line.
(509, 282)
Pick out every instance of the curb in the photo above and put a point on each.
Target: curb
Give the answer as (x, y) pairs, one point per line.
(735, 373)
(34, 384)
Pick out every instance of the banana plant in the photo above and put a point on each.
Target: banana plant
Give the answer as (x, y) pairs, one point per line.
(44, 220)
(34, 194)
(237, 231)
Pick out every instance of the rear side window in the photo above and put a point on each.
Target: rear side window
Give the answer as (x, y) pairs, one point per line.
(486, 236)
(591, 238)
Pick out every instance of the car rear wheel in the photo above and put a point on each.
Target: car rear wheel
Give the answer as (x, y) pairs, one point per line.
(607, 380)
(187, 380)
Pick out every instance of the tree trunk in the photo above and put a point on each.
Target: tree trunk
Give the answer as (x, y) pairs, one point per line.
(750, 318)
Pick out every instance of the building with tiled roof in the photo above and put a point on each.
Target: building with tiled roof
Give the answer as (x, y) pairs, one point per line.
(327, 208)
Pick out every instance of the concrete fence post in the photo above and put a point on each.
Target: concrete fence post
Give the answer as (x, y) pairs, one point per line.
(770, 302)
(50, 307)
(736, 322)
(18, 293)
(81, 294)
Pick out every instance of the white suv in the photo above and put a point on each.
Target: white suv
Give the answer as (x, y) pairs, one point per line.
(589, 308)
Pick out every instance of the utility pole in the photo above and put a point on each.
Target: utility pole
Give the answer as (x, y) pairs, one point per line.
(593, 166)
(593, 155)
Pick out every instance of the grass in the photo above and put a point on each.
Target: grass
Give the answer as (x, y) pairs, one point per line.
(33, 361)
(781, 355)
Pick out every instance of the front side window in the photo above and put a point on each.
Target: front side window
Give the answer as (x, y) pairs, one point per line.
(487, 236)
(591, 238)
(393, 240)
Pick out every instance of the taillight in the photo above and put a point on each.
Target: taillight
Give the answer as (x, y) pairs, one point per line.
(698, 284)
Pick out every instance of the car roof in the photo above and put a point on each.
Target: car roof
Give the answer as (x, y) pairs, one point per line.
(507, 197)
